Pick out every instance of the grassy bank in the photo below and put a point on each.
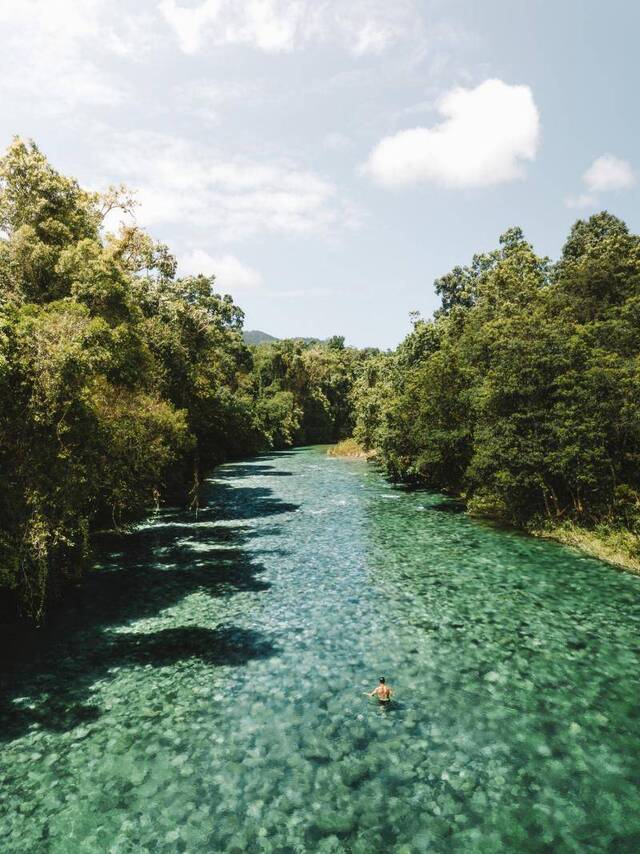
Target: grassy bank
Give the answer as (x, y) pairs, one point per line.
(618, 547)
(621, 548)
(350, 448)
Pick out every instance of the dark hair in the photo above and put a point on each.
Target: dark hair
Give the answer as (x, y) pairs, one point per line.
(382, 679)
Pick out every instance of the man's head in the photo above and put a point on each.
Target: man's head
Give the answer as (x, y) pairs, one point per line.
(382, 680)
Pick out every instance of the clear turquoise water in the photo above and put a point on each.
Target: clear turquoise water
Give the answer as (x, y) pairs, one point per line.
(204, 692)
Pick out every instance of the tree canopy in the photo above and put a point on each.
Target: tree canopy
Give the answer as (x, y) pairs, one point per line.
(120, 382)
(523, 393)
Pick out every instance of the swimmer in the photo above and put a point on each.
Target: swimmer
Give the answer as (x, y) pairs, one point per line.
(381, 691)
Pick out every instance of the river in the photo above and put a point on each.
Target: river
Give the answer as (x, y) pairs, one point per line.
(204, 691)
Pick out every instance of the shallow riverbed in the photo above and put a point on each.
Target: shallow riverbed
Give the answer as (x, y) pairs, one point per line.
(204, 693)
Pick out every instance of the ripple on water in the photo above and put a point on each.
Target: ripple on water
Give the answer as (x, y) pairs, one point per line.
(205, 694)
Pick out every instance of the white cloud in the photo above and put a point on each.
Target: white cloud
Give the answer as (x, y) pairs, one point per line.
(53, 51)
(609, 173)
(485, 135)
(184, 184)
(231, 274)
(582, 200)
(359, 26)
(207, 99)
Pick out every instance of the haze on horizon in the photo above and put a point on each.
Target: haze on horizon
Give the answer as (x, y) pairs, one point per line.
(329, 160)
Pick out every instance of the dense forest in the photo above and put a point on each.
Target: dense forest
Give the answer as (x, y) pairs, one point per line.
(122, 384)
(522, 393)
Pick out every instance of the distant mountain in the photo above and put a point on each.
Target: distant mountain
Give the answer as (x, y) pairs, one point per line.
(255, 336)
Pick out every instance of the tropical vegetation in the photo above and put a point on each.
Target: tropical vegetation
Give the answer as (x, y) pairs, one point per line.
(522, 393)
(122, 383)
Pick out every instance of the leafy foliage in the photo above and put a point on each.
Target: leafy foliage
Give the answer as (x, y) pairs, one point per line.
(523, 392)
(303, 390)
(119, 382)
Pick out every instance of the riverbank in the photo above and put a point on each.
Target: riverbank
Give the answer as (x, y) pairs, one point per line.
(619, 548)
(350, 449)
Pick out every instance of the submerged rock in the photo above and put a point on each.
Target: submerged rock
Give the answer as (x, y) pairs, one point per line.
(339, 824)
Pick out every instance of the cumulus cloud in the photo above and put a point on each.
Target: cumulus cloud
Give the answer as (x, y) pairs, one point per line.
(360, 26)
(206, 99)
(231, 274)
(484, 137)
(54, 51)
(184, 184)
(607, 173)
(582, 200)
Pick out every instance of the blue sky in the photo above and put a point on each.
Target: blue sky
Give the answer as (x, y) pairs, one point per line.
(328, 159)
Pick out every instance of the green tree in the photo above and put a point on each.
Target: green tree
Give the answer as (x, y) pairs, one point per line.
(118, 382)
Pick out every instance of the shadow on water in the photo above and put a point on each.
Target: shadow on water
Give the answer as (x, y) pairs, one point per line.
(271, 455)
(58, 692)
(46, 675)
(239, 471)
(449, 505)
(246, 502)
